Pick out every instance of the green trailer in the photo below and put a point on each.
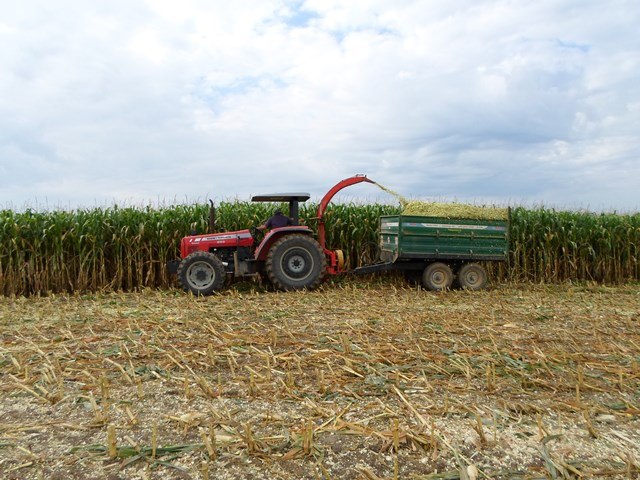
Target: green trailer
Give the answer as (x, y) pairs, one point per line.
(440, 250)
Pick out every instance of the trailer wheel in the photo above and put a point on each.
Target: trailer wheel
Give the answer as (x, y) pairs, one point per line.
(201, 273)
(472, 276)
(295, 262)
(437, 276)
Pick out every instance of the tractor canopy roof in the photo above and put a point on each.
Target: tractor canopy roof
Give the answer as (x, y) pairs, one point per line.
(281, 197)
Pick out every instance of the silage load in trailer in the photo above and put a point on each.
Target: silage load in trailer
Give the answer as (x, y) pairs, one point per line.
(447, 210)
(453, 210)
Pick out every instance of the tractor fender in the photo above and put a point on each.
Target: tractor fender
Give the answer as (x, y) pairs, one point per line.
(275, 234)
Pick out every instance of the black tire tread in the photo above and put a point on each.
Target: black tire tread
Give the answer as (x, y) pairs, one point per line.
(214, 261)
(312, 245)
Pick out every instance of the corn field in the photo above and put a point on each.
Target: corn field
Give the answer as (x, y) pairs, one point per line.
(547, 245)
(127, 248)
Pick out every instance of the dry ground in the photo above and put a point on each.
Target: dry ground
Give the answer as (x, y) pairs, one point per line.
(354, 381)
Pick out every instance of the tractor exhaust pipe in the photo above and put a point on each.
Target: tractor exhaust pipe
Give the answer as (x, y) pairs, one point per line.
(212, 218)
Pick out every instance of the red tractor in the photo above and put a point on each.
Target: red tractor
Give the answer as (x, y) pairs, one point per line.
(290, 257)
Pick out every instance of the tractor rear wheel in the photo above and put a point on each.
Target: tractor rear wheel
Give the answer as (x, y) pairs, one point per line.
(201, 273)
(437, 276)
(295, 262)
(472, 276)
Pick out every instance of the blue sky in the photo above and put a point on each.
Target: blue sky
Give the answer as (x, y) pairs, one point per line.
(505, 102)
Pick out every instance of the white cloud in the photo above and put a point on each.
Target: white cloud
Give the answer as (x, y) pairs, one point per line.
(120, 101)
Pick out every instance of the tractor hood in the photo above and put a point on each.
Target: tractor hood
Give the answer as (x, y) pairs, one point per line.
(210, 241)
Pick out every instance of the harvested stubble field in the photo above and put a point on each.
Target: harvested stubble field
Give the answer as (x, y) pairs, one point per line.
(356, 380)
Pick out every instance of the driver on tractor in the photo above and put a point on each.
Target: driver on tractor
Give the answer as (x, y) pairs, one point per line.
(278, 220)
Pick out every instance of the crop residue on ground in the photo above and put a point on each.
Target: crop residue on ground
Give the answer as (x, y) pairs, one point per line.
(356, 380)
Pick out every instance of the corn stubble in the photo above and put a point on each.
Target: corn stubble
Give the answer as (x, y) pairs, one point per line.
(371, 379)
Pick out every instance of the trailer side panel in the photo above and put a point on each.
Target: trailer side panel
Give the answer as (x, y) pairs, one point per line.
(415, 237)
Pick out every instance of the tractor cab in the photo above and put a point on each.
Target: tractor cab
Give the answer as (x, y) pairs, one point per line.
(292, 198)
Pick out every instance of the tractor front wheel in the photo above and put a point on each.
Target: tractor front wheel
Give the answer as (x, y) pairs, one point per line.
(295, 262)
(201, 273)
